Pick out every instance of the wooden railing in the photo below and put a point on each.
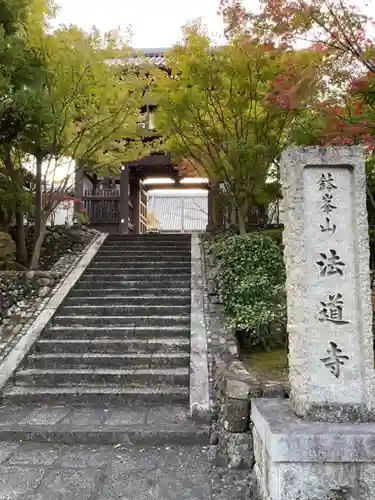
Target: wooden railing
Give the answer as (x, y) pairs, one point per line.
(102, 209)
(102, 193)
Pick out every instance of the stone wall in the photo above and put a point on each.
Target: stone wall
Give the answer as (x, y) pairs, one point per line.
(19, 291)
(232, 386)
(23, 294)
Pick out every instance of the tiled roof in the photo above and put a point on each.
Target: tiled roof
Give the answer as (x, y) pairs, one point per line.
(145, 56)
(179, 213)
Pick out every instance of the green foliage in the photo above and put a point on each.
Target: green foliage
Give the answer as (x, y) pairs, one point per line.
(275, 234)
(252, 283)
(83, 218)
(62, 106)
(216, 111)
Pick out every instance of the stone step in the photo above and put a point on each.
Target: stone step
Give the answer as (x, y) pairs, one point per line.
(149, 237)
(148, 293)
(111, 299)
(135, 426)
(149, 243)
(124, 310)
(95, 396)
(135, 435)
(131, 435)
(143, 284)
(140, 267)
(139, 246)
(142, 259)
(150, 234)
(116, 321)
(129, 270)
(145, 377)
(110, 346)
(85, 332)
(152, 279)
(142, 254)
(72, 361)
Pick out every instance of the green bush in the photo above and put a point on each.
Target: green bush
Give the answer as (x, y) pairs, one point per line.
(276, 234)
(251, 280)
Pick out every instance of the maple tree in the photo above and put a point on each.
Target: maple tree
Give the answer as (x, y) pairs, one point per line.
(63, 107)
(217, 110)
(345, 34)
(85, 110)
(20, 72)
(336, 24)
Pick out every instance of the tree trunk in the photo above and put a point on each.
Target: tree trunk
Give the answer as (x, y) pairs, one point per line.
(38, 245)
(4, 223)
(241, 222)
(233, 217)
(21, 247)
(38, 199)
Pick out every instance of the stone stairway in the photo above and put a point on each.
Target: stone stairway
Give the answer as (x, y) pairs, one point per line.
(120, 337)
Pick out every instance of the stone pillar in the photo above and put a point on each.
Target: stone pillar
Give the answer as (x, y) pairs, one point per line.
(124, 200)
(326, 243)
(330, 453)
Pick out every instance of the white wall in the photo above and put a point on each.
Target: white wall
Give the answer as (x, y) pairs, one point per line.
(63, 215)
(87, 185)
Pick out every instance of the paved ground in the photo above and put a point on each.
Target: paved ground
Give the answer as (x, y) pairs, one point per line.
(36, 471)
(133, 470)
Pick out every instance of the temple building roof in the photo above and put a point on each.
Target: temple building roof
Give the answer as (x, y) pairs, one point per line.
(142, 56)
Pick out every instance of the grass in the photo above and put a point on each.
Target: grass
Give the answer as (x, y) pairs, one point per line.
(272, 365)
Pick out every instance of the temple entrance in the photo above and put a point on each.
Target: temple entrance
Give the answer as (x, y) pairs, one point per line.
(149, 194)
(177, 212)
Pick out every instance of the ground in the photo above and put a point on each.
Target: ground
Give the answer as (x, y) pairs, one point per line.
(36, 471)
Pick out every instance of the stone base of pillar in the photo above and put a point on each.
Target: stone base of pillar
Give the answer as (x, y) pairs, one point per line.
(303, 460)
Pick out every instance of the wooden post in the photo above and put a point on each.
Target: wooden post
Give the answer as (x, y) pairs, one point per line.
(124, 200)
(211, 206)
(79, 176)
(135, 193)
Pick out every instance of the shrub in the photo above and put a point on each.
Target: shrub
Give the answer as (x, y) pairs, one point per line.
(83, 218)
(251, 281)
(276, 234)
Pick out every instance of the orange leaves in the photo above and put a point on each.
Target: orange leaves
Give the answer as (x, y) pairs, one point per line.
(234, 14)
(346, 125)
(359, 84)
(319, 47)
(296, 82)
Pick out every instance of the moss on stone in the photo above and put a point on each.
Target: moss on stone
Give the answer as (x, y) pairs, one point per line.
(270, 365)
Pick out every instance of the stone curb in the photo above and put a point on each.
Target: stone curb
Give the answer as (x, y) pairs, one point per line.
(199, 378)
(19, 351)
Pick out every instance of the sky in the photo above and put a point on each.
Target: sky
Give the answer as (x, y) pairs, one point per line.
(154, 23)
